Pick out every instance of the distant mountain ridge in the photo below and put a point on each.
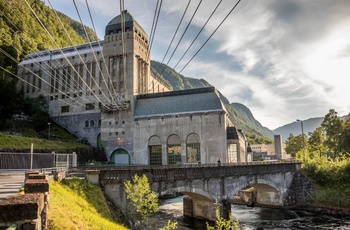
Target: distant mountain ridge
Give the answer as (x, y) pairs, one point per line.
(240, 115)
(309, 125)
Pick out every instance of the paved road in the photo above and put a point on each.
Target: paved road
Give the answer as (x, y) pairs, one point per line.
(10, 183)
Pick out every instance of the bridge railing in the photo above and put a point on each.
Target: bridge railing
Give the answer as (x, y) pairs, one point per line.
(191, 172)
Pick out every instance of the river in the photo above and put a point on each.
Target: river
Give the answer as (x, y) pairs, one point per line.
(259, 218)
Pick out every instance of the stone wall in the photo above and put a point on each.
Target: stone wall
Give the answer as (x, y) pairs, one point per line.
(299, 189)
(30, 210)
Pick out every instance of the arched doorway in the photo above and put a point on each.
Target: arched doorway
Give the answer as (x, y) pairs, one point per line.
(120, 157)
(99, 141)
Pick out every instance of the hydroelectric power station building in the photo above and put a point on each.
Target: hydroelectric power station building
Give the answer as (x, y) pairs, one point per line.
(103, 92)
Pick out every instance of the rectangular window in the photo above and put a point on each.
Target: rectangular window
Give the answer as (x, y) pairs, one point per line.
(232, 153)
(89, 106)
(65, 109)
(155, 152)
(174, 154)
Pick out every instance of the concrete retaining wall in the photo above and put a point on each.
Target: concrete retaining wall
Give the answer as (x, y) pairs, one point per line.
(28, 211)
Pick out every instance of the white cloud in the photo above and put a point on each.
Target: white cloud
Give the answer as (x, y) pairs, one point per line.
(282, 59)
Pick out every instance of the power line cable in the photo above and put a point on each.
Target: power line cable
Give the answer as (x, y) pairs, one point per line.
(35, 63)
(178, 26)
(103, 58)
(14, 60)
(92, 50)
(154, 20)
(40, 22)
(200, 31)
(96, 61)
(156, 23)
(210, 36)
(183, 34)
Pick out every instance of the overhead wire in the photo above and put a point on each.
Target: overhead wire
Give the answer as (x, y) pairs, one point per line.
(35, 86)
(154, 20)
(99, 44)
(234, 7)
(178, 26)
(122, 21)
(183, 34)
(92, 50)
(155, 25)
(80, 57)
(40, 57)
(29, 70)
(60, 50)
(200, 31)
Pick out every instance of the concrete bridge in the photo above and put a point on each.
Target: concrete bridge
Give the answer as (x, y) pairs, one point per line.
(270, 183)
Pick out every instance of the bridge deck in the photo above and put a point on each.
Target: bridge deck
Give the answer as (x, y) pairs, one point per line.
(171, 173)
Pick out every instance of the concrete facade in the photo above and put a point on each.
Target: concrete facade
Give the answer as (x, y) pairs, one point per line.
(103, 93)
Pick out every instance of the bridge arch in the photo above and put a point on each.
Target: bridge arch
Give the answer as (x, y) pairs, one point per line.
(266, 191)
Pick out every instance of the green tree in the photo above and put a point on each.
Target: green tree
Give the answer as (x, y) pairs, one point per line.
(141, 202)
(316, 143)
(223, 224)
(295, 144)
(345, 138)
(170, 226)
(10, 98)
(332, 125)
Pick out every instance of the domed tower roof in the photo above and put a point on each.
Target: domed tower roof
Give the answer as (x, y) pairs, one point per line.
(114, 26)
(117, 20)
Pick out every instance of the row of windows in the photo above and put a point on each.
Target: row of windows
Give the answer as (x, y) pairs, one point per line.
(116, 122)
(174, 150)
(91, 123)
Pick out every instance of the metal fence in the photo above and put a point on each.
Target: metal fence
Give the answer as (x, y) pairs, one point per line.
(335, 198)
(12, 160)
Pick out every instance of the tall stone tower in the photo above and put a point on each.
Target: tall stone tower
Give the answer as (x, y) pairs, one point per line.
(127, 55)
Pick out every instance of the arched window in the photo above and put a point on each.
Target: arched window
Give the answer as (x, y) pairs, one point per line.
(193, 151)
(92, 123)
(174, 150)
(155, 151)
(86, 124)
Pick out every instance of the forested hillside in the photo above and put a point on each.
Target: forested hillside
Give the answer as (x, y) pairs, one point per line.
(23, 32)
(22, 29)
(240, 115)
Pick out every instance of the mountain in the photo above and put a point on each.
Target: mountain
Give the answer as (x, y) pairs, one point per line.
(240, 115)
(309, 125)
(20, 28)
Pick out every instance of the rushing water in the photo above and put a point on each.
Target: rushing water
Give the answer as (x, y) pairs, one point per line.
(260, 218)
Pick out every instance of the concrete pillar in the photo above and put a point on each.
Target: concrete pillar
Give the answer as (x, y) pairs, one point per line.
(205, 209)
(92, 176)
(164, 153)
(188, 206)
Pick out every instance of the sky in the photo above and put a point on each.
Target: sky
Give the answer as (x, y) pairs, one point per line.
(283, 59)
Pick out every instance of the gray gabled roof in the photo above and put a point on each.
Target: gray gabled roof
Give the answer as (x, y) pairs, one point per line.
(178, 102)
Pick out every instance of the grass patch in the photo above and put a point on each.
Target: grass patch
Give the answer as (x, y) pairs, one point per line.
(10, 141)
(77, 204)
